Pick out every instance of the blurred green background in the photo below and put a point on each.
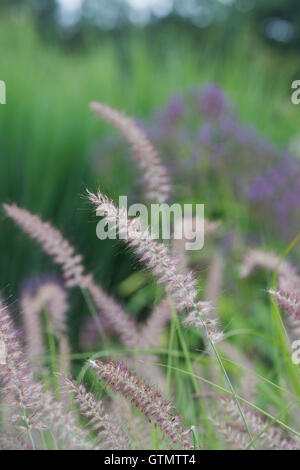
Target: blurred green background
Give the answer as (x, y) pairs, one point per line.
(58, 56)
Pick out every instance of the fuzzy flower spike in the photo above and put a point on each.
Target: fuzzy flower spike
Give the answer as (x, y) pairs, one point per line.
(35, 409)
(288, 300)
(63, 253)
(149, 401)
(155, 174)
(156, 256)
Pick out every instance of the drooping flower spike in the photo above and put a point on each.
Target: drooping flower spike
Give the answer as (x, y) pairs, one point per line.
(108, 432)
(148, 400)
(156, 256)
(62, 252)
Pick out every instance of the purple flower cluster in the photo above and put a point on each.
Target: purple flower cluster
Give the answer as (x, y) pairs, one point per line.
(212, 102)
(277, 191)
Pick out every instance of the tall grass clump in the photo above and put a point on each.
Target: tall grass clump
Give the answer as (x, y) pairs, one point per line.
(175, 380)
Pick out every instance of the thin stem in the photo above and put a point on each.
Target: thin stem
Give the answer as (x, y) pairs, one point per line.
(170, 357)
(234, 394)
(189, 364)
(196, 439)
(185, 350)
(219, 361)
(243, 400)
(154, 437)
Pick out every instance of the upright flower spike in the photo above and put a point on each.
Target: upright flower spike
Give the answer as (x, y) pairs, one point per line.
(63, 254)
(7, 398)
(64, 425)
(154, 173)
(34, 408)
(109, 434)
(17, 380)
(49, 295)
(149, 401)
(156, 256)
(32, 329)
